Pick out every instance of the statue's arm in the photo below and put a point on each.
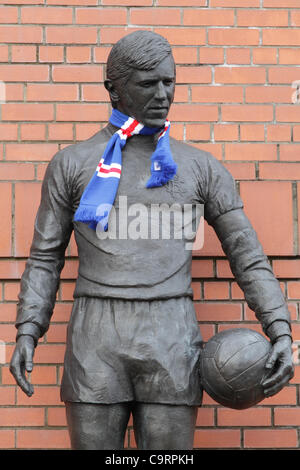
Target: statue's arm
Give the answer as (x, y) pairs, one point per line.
(262, 291)
(250, 266)
(40, 280)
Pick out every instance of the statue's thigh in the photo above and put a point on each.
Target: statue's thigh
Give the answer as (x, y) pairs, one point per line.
(97, 427)
(168, 427)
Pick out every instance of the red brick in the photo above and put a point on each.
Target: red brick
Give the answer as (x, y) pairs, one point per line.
(226, 132)
(33, 131)
(8, 311)
(270, 438)
(262, 18)
(21, 34)
(11, 171)
(241, 171)
(67, 291)
(288, 113)
(252, 132)
(84, 131)
(281, 37)
(279, 171)
(8, 131)
(6, 220)
(208, 17)
(247, 112)
(41, 375)
(205, 417)
(264, 56)
(279, 132)
(60, 131)
(193, 112)
(11, 290)
(154, 16)
(82, 112)
(185, 55)
(233, 37)
(235, 3)
(28, 73)
(287, 416)
(289, 152)
(238, 56)
(286, 268)
(268, 94)
(7, 396)
(240, 75)
(130, 3)
(78, 54)
(9, 15)
(219, 94)
(211, 55)
(26, 195)
(62, 312)
(250, 417)
(274, 200)
(294, 290)
(77, 73)
(57, 333)
(197, 132)
(196, 286)
(43, 439)
(51, 54)
(42, 396)
(218, 311)
(7, 438)
(187, 3)
(15, 91)
(27, 112)
(72, 2)
(71, 35)
(202, 268)
(94, 93)
(283, 74)
(193, 74)
(22, 417)
(112, 34)
(101, 16)
(30, 152)
(216, 290)
(3, 53)
(101, 54)
(288, 56)
(46, 15)
(57, 416)
(280, 4)
(212, 245)
(52, 92)
(217, 438)
(183, 36)
(250, 151)
(23, 53)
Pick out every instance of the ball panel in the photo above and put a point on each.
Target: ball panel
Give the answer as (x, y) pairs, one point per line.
(232, 367)
(244, 359)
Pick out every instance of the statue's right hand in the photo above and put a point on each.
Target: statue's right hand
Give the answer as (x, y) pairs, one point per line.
(22, 360)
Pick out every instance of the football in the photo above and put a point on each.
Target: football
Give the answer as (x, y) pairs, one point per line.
(232, 367)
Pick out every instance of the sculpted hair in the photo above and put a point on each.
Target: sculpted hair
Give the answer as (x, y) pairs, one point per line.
(142, 50)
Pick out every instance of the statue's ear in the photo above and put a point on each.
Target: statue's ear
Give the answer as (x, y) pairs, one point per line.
(114, 95)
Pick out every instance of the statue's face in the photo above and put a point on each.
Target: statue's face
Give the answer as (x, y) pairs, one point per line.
(148, 95)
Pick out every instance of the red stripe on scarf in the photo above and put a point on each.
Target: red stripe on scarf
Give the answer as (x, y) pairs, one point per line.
(130, 129)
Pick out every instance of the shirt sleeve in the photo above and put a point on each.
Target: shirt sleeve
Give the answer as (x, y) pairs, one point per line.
(52, 231)
(224, 211)
(220, 195)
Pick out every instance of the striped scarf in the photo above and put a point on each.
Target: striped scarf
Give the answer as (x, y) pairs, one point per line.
(99, 195)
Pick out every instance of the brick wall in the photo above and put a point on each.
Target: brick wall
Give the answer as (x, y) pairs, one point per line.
(238, 105)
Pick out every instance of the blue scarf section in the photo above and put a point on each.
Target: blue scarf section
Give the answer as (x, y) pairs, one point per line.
(99, 195)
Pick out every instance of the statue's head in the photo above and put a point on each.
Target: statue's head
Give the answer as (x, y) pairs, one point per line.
(141, 77)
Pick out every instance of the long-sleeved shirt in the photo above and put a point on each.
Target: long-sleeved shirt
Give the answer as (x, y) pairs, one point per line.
(145, 267)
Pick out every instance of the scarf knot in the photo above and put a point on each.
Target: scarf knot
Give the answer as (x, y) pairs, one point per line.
(99, 195)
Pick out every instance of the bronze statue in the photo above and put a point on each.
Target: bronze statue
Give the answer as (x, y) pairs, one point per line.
(133, 342)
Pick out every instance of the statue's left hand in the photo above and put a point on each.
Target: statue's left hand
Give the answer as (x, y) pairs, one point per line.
(280, 359)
